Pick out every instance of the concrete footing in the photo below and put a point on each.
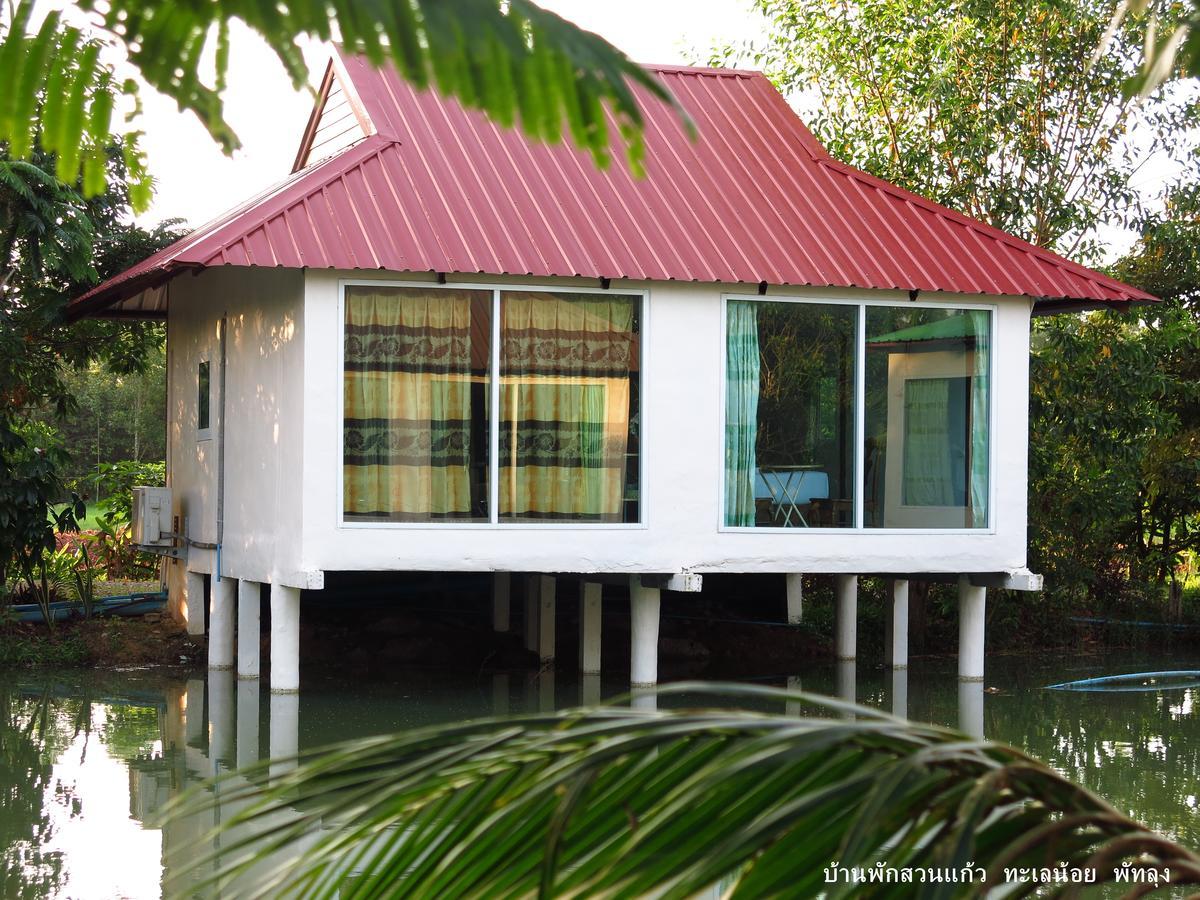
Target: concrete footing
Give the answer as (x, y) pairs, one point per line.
(896, 646)
(795, 599)
(845, 588)
(285, 640)
(222, 597)
(644, 608)
(972, 615)
(249, 599)
(590, 594)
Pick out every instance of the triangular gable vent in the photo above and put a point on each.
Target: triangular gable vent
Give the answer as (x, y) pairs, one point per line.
(338, 120)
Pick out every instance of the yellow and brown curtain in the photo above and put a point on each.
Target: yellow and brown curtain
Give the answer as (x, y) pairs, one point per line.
(415, 376)
(567, 364)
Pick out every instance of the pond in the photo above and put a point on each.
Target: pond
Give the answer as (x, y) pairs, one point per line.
(87, 759)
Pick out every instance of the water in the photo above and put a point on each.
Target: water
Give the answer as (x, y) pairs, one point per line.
(86, 760)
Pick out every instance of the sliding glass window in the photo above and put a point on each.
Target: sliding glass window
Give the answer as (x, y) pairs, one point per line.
(928, 395)
(789, 414)
(569, 407)
(422, 441)
(802, 379)
(415, 382)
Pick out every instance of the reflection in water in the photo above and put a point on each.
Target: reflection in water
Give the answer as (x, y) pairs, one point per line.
(85, 763)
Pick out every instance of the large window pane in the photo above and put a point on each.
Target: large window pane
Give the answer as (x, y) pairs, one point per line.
(415, 434)
(569, 407)
(927, 401)
(789, 414)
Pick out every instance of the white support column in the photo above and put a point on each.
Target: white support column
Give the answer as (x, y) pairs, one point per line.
(793, 707)
(644, 608)
(642, 698)
(845, 589)
(193, 713)
(847, 682)
(795, 599)
(222, 597)
(501, 595)
(194, 602)
(249, 632)
(589, 690)
(896, 646)
(547, 600)
(285, 731)
(590, 593)
(285, 641)
(972, 609)
(532, 583)
(247, 721)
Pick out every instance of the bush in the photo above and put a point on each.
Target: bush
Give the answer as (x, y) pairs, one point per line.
(116, 481)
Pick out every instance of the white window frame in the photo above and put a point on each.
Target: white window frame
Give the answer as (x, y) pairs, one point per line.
(495, 523)
(860, 368)
(204, 434)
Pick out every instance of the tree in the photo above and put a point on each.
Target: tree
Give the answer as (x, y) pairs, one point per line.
(626, 802)
(1115, 473)
(509, 58)
(995, 109)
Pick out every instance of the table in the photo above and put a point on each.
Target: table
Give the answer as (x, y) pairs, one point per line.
(786, 484)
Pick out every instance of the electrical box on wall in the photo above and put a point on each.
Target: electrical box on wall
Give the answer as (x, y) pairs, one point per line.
(151, 510)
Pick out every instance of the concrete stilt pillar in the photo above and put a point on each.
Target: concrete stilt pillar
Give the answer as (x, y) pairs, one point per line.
(644, 607)
(589, 689)
(530, 624)
(643, 699)
(970, 708)
(247, 721)
(500, 694)
(846, 619)
(896, 646)
(795, 599)
(972, 609)
(222, 597)
(194, 601)
(547, 601)
(285, 731)
(847, 678)
(590, 593)
(222, 727)
(501, 595)
(193, 713)
(900, 693)
(248, 629)
(285, 639)
(793, 707)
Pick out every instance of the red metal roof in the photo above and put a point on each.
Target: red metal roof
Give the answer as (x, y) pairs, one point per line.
(754, 199)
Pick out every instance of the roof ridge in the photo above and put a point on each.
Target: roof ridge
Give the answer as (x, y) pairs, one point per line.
(711, 71)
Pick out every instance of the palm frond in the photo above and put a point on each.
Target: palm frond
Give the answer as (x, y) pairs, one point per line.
(633, 802)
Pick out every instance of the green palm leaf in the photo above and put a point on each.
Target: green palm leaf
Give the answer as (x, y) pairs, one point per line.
(618, 802)
(510, 58)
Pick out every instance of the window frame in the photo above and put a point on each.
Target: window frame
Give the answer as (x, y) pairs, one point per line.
(495, 523)
(204, 433)
(860, 367)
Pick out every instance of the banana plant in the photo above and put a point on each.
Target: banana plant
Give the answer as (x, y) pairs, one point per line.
(630, 802)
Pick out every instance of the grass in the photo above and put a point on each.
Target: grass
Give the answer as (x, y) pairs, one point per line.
(95, 510)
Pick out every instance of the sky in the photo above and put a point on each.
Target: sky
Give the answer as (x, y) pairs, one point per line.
(196, 182)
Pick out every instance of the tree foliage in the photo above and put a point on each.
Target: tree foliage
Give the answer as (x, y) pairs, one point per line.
(510, 58)
(1115, 460)
(619, 802)
(995, 109)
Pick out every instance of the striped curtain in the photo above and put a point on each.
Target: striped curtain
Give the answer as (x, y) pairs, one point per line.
(566, 365)
(408, 403)
(742, 376)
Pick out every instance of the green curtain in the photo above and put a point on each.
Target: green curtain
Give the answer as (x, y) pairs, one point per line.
(980, 321)
(741, 411)
(928, 467)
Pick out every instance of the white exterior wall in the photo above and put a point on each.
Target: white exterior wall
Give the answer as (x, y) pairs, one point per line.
(683, 461)
(264, 415)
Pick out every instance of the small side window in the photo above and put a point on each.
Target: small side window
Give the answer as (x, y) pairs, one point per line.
(203, 398)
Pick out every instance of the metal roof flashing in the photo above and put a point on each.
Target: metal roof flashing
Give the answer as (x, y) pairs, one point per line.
(430, 186)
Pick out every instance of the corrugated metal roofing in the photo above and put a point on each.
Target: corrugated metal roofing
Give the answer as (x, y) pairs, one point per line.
(754, 199)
